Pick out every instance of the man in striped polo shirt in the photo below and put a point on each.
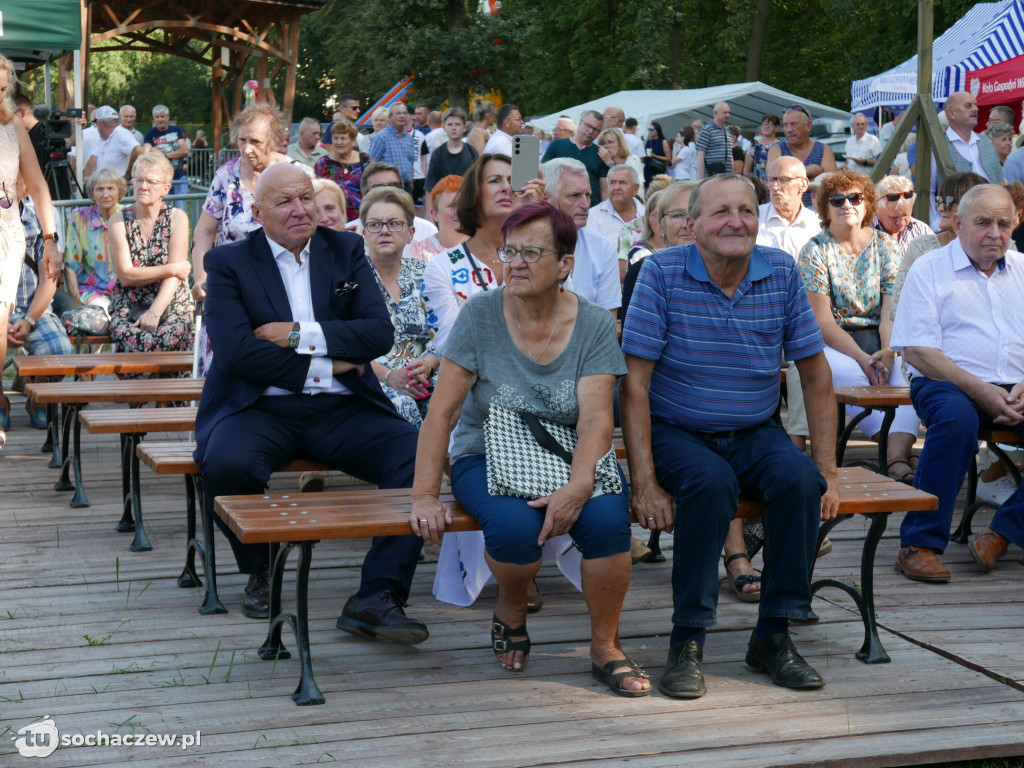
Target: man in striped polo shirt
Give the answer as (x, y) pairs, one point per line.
(705, 331)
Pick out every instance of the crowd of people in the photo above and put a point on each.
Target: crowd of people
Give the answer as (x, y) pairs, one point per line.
(655, 284)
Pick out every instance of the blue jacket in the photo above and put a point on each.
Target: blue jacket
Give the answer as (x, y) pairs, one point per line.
(244, 290)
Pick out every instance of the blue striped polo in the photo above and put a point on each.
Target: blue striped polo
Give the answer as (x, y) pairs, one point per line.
(717, 359)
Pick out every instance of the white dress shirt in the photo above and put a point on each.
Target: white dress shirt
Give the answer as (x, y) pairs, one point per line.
(773, 231)
(312, 342)
(635, 144)
(976, 321)
(866, 146)
(969, 149)
(595, 273)
(605, 220)
(500, 144)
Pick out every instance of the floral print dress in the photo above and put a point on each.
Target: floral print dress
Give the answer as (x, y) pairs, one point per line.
(174, 333)
(347, 176)
(412, 335)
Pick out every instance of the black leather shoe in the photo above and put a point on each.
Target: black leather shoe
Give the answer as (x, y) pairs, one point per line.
(776, 655)
(382, 616)
(256, 602)
(684, 676)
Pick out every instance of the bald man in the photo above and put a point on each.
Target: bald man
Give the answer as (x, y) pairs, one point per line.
(616, 118)
(294, 317)
(959, 323)
(971, 151)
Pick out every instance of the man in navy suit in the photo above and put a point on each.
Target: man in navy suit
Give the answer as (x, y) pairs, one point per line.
(294, 316)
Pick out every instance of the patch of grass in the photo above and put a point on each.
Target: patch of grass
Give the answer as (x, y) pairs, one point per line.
(21, 697)
(95, 641)
(131, 724)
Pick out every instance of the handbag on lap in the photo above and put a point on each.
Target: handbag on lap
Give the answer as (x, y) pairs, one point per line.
(90, 320)
(531, 457)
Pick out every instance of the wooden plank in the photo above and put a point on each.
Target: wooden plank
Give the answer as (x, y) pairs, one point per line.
(105, 363)
(129, 391)
(138, 420)
(869, 397)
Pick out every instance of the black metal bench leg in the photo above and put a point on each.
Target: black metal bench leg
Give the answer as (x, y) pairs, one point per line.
(189, 578)
(847, 431)
(272, 647)
(211, 602)
(79, 499)
(962, 534)
(872, 651)
(127, 522)
(60, 453)
(307, 693)
(654, 544)
(141, 541)
(52, 442)
(889, 415)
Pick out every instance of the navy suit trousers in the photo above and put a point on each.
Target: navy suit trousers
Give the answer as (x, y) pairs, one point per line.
(343, 431)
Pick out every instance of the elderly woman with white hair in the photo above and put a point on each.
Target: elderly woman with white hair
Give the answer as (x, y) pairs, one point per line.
(894, 215)
(1002, 139)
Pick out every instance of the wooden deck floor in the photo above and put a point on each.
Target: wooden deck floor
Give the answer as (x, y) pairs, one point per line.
(101, 639)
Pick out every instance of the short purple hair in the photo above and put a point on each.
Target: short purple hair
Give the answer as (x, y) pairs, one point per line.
(563, 228)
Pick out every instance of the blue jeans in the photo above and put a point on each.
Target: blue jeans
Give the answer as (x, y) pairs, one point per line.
(180, 187)
(511, 527)
(706, 473)
(953, 421)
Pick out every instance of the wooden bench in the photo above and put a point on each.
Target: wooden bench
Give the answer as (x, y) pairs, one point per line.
(886, 399)
(78, 365)
(299, 521)
(131, 425)
(71, 396)
(173, 458)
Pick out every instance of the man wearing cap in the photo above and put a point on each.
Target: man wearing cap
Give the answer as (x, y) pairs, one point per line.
(116, 149)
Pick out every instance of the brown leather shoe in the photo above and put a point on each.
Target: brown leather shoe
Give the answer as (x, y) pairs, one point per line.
(921, 564)
(986, 549)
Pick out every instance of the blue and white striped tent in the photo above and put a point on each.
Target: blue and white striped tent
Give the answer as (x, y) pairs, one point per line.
(988, 34)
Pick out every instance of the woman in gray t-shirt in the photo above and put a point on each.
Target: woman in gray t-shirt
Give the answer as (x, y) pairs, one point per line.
(533, 348)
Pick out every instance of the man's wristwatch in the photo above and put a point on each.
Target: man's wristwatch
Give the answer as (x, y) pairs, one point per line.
(28, 319)
(293, 337)
(51, 236)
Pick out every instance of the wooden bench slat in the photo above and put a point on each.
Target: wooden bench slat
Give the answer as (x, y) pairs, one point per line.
(137, 421)
(142, 390)
(873, 397)
(104, 363)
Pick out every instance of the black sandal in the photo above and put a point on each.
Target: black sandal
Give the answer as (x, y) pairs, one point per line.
(907, 477)
(613, 680)
(500, 643)
(737, 583)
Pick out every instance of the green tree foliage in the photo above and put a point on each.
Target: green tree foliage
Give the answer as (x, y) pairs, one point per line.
(545, 55)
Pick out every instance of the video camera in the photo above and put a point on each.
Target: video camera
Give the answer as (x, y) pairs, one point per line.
(51, 147)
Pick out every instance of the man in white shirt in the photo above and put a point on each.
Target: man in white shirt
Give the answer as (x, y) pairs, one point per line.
(510, 123)
(595, 275)
(608, 217)
(862, 149)
(787, 224)
(971, 151)
(960, 324)
(116, 148)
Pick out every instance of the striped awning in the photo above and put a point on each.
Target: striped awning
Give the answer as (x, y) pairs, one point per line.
(988, 34)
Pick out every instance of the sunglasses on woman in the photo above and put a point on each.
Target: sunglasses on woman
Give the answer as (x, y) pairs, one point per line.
(892, 197)
(945, 203)
(836, 201)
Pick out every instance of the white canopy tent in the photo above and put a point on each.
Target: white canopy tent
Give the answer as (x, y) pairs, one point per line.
(749, 102)
(988, 34)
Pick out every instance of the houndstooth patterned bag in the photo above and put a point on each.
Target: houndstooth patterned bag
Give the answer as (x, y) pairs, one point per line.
(530, 457)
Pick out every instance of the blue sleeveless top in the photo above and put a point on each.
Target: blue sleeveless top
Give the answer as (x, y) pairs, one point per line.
(817, 151)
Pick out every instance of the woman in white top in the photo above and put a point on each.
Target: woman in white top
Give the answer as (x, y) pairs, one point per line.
(484, 200)
(684, 155)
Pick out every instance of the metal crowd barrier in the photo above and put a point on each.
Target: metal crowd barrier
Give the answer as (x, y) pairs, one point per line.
(193, 207)
(203, 163)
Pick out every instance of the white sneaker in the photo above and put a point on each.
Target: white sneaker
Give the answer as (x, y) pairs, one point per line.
(997, 491)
